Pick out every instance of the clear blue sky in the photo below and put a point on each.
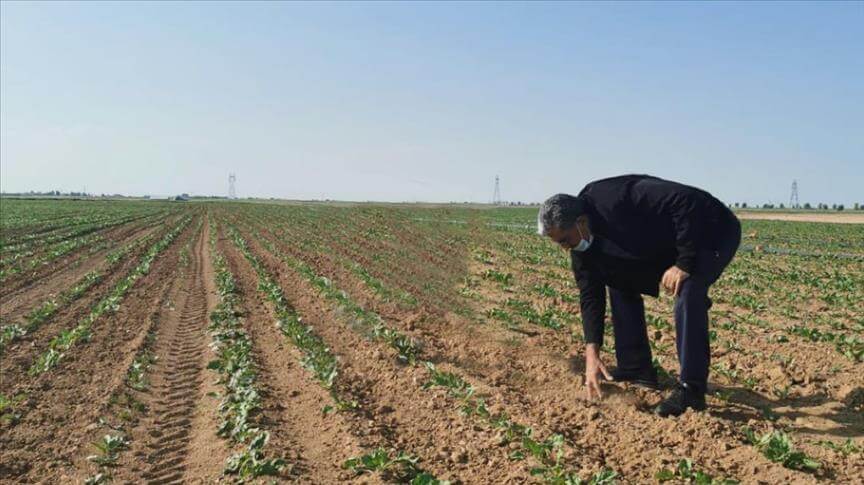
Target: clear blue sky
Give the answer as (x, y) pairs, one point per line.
(416, 101)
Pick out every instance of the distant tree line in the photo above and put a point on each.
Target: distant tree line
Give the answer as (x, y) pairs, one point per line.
(57, 193)
(820, 206)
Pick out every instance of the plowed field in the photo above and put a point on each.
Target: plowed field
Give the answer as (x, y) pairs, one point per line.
(204, 342)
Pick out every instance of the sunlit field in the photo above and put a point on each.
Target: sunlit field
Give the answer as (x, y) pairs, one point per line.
(160, 342)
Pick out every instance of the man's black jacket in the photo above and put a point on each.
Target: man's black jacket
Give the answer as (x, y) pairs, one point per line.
(642, 225)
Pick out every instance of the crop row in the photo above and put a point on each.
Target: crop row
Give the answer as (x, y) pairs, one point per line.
(548, 453)
(317, 357)
(43, 312)
(324, 365)
(236, 368)
(126, 407)
(62, 343)
(22, 220)
(33, 243)
(49, 255)
(421, 266)
(88, 244)
(777, 446)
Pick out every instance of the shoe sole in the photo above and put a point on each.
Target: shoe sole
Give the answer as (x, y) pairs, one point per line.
(675, 415)
(652, 385)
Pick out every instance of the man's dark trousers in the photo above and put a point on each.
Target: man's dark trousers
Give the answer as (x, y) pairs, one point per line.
(691, 316)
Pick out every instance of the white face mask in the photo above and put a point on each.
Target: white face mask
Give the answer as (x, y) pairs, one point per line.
(583, 243)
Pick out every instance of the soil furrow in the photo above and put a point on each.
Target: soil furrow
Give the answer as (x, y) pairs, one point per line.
(316, 443)
(540, 384)
(15, 305)
(59, 415)
(424, 423)
(176, 438)
(19, 286)
(786, 354)
(20, 355)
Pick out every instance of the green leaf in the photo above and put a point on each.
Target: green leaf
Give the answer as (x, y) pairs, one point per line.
(664, 475)
(517, 455)
(427, 479)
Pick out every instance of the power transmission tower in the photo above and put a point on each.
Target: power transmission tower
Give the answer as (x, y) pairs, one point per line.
(793, 198)
(496, 197)
(232, 189)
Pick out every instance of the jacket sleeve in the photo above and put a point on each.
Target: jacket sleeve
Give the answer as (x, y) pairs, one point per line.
(592, 300)
(687, 218)
(686, 208)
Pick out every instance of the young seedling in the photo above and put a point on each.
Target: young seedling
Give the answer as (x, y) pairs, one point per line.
(686, 472)
(545, 290)
(847, 447)
(8, 415)
(455, 385)
(10, 332)
(98, 479)
(505, 279)
(401, 468)
(250, 463)
(777, 446)
(781, 392)
(603, 477)
(136, 377)
(380, 461)
(109, 447)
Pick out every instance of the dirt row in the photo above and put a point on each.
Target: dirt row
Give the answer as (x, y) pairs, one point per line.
(171, 424)
(536, 376)
(822, 404)
(173, 434)
(756, 354)
(315, 444)
(59, 411)
(22, 289)
(20, 355)
(394, 411)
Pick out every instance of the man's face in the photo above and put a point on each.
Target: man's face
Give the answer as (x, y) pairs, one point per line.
(569, 238)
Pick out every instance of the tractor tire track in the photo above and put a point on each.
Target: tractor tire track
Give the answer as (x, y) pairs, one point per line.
(177, 395)
(50, 441)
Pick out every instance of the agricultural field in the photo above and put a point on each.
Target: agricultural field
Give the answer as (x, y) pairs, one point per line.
(155, 342)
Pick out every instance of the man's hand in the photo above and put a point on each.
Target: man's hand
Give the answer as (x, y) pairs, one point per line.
(673, 278)
(593, 368)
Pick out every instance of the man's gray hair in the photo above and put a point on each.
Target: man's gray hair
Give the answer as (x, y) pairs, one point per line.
(561, 211)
